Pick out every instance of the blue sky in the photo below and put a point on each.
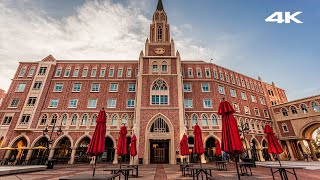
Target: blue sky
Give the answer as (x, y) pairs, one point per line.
(231, 32)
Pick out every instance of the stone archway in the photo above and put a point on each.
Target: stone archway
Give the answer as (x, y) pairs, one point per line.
(21, 144)
(40, 151)
(255, 147)
(109, 150)
(62, 150)
(159, 141)
(82, 146)
(307, 134)
(265, 152)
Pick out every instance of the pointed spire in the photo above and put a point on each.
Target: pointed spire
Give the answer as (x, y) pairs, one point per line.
(160, 5)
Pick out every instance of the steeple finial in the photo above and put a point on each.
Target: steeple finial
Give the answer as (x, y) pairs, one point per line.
(160, 5)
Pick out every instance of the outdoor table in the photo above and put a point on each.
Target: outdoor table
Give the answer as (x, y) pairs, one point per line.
(90, 177)
(123, 171)
(134, 166)
(184, 166)
(196, 171)
(244, 168)
(283, 170)
(221, 165)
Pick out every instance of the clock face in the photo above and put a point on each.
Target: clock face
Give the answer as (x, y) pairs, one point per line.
(159, 50)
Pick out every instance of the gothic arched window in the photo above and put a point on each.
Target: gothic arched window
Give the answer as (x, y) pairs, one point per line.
(194, 119)
(43, 119)
(159, 33)
(214, 120)
(159, 93)
(54, 119)
(114, 120)
(74, 119)
(204, 120)
(159, 125)
(84, 119)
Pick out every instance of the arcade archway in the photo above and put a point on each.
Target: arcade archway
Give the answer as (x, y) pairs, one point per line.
(21, 150)
(254, 149)
(81, 155)
(62, 151)
(108, 155)
(40, 151)
(265, 152)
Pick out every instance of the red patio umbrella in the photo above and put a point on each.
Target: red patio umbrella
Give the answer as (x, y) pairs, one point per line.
(231, 142)
(273, 144)
(218, 148)
(133, 147)
(122, 142)
(97, 142)
(198, 145)
(184, 147)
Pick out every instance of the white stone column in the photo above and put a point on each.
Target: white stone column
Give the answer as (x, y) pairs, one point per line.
(51, 154)
(304, 149)
(8, 153)
(271, 157)
(29, 154)
(313, 153)
(115, 160)
(73, 155)
(260, 155)
(249, 153)
(202, 158)
(290, 151)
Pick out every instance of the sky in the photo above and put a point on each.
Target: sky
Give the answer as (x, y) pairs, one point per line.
(231, 32)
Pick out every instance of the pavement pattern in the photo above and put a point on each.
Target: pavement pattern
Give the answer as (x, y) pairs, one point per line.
(167, 172)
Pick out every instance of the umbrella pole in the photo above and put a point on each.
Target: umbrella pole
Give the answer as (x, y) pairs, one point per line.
(278, 159)
(236, 160)
(94, 165)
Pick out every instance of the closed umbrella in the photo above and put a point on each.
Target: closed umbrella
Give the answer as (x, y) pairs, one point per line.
(184, 148)
(97, 143)
(122, 143)
(218, 148)
(273, 144)
(133, 147)
(231, 142)
(198, 145)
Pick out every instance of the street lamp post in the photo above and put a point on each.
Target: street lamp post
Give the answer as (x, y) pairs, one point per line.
(45, 132)
(244, 128)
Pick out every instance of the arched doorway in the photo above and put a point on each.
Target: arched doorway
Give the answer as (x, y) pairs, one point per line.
(254, 146)
(62, 151)
(40, 151)
(193, 157)
(81, 155)
(159, 143)
(210, 149)
(311, 134)
(108, 155)
(20, 151)
(265, 152)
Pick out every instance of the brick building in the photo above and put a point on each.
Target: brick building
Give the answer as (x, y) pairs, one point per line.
(2, 95)
(159, 97)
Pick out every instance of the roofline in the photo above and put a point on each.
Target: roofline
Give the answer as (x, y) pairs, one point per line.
(296, 100)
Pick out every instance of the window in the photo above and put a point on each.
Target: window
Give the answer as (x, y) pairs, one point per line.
(159, 93)
(64, 119)
(243, 96)
(92, 103)
(73, 103)
(42, 70)
(129, 72)
(112, 103)
(54, 103)
(262, 101)
(67, 73)
(37, 85)
(159, 33)
(252, 126)
(85, 72)
(31, 72)
(94, 120)
(113, 87)
(54, 119)
(7, 120)
(187, 87)
(233, 93)
(207, 103)
(227, 77)
(248, 85)
(215, 74)
(252, 86)
(188, 103)
(84, 120)
(214, 120)
(111, 72)
(76, 73)
(95, 87)
(22, 72)
(94, 72)
(155, 68)
(246, 110)
(221, 89)
(243, 84)
(25, 119)
(284, 127)
(294, 110)
(199, 74)
(256, 111)
(58, 72)
(304, 108)
(124, 119)
(43, 119)
(315, 106)
(194, 119)
(205, 87)
(204, 120)
(31, 101)
(114, 120)
(20, 87)
(236, 107)
(74, 119)
(76, 87)
(14, 103)
(58, 87)
(232, 79)
(284, 112)
(120, 71)
(130, 103)
(266, 114)
(164, 68)
(190, 73)
(221, 76)
(157, 100)
(131, 87)
(253, 98)
(102, 72)
(208, 73)
(238, 81)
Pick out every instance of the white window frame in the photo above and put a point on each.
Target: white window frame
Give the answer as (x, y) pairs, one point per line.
(207, 71)
(204, 103)
(190, 72)
(266, 113)
(188, 85)
(58, 72)
(199, 73)
(73, 89)
(85, 72)
(55, 89)
(111, 89)
(253, 98)
(94, 90)
(92, 103)
(111, 72)
(102, 72)
(31, 72)
(67, 72)
(130, 89)
(205, 87)
(188, 103)
(51, 105)
(22, 72)
(18, 89)
(243, 96)
(71, 103)
(112, 103)
(120, 72)
(132, 103)
(221, 89)
(247, 110)
(93, 72)
(233, 93)
(129, 72)
(76, 72)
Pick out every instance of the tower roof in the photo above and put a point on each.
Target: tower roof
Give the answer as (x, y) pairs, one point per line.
(160, 5)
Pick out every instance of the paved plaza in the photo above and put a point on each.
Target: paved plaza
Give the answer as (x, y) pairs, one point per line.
(159, 172)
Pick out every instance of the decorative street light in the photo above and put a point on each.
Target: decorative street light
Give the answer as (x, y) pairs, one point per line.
(45, 131)
(244, 128)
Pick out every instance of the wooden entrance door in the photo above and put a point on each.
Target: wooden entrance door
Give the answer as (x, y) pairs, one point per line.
(159, 155)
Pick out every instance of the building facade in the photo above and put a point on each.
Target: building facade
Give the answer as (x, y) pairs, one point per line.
(159, 97)
(2, 95)
(296, 121)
